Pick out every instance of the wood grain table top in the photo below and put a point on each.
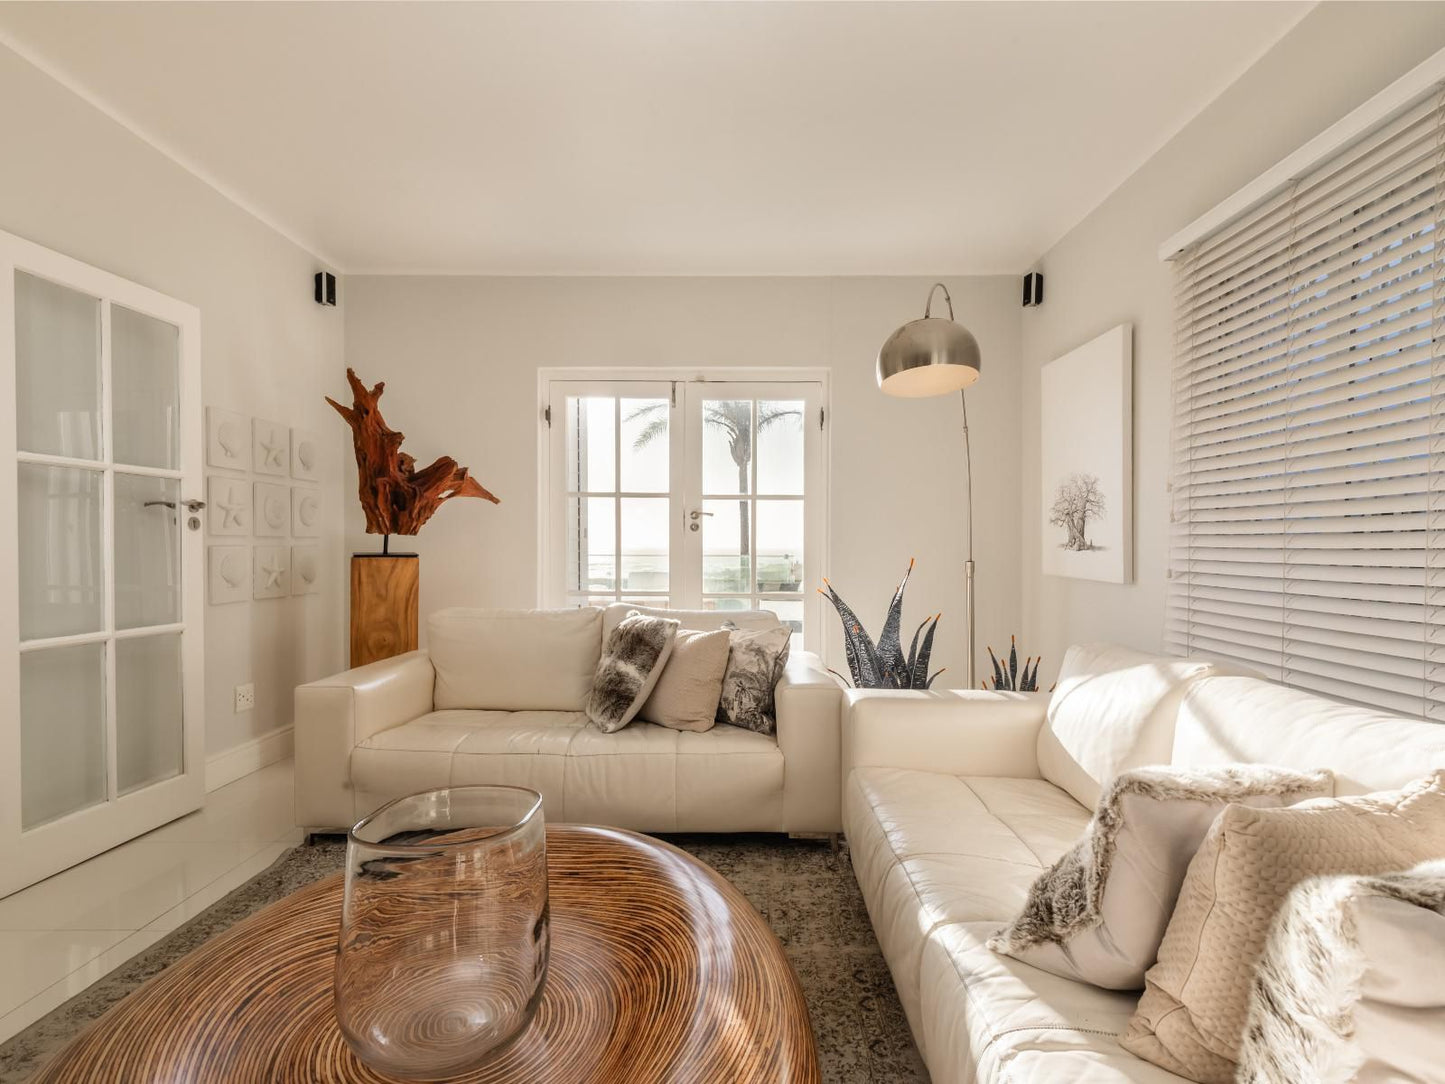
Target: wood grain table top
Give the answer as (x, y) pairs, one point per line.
(660, 972)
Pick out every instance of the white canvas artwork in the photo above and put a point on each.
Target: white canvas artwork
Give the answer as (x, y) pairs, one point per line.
(228, 574)
(305, 455)
(271, 448)
(228, 505)
(271, 572)
(305, 569)
(228, 439)
(1086, 418)
(305, 511)
(273, 510)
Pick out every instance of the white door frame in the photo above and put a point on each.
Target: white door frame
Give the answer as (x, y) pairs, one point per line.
(26, 857)
(551, 455)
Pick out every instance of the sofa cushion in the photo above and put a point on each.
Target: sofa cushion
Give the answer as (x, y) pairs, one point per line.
(704, 620)
(1113, 708)
(514, 660)
(687, 692)
(633, 658)
(1227, 719)
(756, 660)
(931, 850)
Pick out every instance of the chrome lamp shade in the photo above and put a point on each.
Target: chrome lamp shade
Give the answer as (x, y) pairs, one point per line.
(931, 356)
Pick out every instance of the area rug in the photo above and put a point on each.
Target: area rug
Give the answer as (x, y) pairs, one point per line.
(806, 892)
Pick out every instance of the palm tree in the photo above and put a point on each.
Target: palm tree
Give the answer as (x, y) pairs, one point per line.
(734, 418)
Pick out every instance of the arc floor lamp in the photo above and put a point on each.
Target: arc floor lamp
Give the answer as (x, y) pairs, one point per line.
(934, 356)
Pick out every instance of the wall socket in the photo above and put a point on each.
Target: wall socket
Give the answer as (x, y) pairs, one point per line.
(245, 697)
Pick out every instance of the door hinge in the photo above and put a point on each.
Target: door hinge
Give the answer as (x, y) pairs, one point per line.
(822, 416)
(547, 416)
(674, 393)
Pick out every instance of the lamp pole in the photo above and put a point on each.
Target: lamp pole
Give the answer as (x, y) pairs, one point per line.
(968, 552)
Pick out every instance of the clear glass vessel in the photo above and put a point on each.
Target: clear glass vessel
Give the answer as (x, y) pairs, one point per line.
(444, 935)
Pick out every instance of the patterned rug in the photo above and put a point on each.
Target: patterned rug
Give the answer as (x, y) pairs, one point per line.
(807, 894)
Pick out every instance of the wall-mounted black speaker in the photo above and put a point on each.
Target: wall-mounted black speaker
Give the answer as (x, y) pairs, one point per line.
(1033, 289)
(325, 288)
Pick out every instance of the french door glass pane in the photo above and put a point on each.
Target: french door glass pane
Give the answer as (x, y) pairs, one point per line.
(57, 369)
(726, 545)
(62, 731)
(727, 445)
(145, 397)
(780, 446)
(591, 544)
(790, 613)
(591, 444)
(645, 524)
(148, 734)
(645, 466)
(780, 545)
(147, 551)
(61, 584)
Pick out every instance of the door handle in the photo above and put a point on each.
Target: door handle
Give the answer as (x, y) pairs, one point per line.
(194, 505)
(695, 514)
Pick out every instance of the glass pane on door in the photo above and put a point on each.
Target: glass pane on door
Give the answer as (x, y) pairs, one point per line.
(57, 369)
(62, 731)
(727, 446)
(145, 394)
(148, 732)
(147, 551)
(61, 584)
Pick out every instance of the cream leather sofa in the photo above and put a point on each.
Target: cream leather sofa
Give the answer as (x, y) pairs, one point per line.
(954, 801)
(497, 698)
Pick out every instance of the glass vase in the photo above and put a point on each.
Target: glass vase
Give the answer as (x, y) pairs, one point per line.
(444, 935)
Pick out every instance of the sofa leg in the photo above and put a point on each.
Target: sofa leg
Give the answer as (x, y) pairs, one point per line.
(831, 838)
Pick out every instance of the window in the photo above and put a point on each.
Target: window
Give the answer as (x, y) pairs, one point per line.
(1309, 429)
(689, 494)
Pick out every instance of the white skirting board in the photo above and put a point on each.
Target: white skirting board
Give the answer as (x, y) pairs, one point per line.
(231, 764)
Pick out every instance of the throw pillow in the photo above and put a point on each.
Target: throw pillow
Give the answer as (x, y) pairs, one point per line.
(1349, 985)
(1099, 914)
(1191, 1017)
(755, 663)
(630, 665)
(687, 694)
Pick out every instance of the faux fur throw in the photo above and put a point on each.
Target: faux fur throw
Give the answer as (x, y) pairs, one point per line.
(1350, 985)
(1099, 914)
(630, 665)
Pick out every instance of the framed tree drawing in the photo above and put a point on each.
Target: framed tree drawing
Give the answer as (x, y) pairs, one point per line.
(1086, 427)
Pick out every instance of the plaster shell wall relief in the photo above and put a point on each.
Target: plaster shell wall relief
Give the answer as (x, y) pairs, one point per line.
(241, 506)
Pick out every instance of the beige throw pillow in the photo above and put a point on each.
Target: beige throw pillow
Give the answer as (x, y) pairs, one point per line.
(1349, 987)
(1191, 1017)
(1099, 914)
(687, 694)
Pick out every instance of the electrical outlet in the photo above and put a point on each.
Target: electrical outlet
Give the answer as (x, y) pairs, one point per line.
(245, 697)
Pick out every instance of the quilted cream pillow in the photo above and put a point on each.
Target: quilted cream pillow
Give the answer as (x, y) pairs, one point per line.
(1349, 987)
(1191, 1017)
(1099, 913)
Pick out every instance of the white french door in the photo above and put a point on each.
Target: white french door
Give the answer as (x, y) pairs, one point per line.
(694, 494)
(102, 732)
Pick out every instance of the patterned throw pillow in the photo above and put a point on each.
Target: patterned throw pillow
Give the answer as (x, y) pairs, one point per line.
(630, 665)
(755, 663)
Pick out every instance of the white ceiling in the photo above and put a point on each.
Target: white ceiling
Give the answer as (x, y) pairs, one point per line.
(657, 138)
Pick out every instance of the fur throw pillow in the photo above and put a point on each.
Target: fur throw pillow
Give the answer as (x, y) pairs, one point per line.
(1099, 914)
(755, 664)
(630, 665)
(1349, 986)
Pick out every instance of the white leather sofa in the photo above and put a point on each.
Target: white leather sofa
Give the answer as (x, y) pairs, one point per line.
(497, 697)
(954, 801)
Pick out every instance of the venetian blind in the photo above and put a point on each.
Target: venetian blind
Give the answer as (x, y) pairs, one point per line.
(1308, 518)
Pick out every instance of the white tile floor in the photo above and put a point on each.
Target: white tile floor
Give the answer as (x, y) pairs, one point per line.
(68, 931)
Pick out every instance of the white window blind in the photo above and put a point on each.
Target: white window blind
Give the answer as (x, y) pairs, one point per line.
(1308, 513)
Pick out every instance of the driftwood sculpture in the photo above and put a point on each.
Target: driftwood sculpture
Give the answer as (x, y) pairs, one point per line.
(396, 497)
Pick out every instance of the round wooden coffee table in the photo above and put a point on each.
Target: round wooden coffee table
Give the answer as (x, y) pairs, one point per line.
(660, 972)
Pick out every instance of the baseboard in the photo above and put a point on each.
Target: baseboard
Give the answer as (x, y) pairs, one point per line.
(241, 760)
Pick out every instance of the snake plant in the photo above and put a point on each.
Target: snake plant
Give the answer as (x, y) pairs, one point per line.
(883, 665)
(1007, 676)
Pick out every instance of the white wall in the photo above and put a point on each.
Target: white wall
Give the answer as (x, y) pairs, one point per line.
(1107, 271)
(460, 359)
(76, 181)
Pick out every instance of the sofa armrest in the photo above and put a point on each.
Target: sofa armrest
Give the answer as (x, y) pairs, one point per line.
(338, 713)
(809, 700)
(955, 731)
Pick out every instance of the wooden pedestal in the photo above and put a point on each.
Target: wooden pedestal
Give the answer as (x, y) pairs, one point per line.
(383, 605)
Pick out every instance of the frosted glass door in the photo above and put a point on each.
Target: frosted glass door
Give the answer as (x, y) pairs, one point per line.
(99, 600)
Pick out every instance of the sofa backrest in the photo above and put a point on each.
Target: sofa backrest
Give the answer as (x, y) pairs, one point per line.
(1224, 719)
(1113, 709)
(698, 620)
(514, 660)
